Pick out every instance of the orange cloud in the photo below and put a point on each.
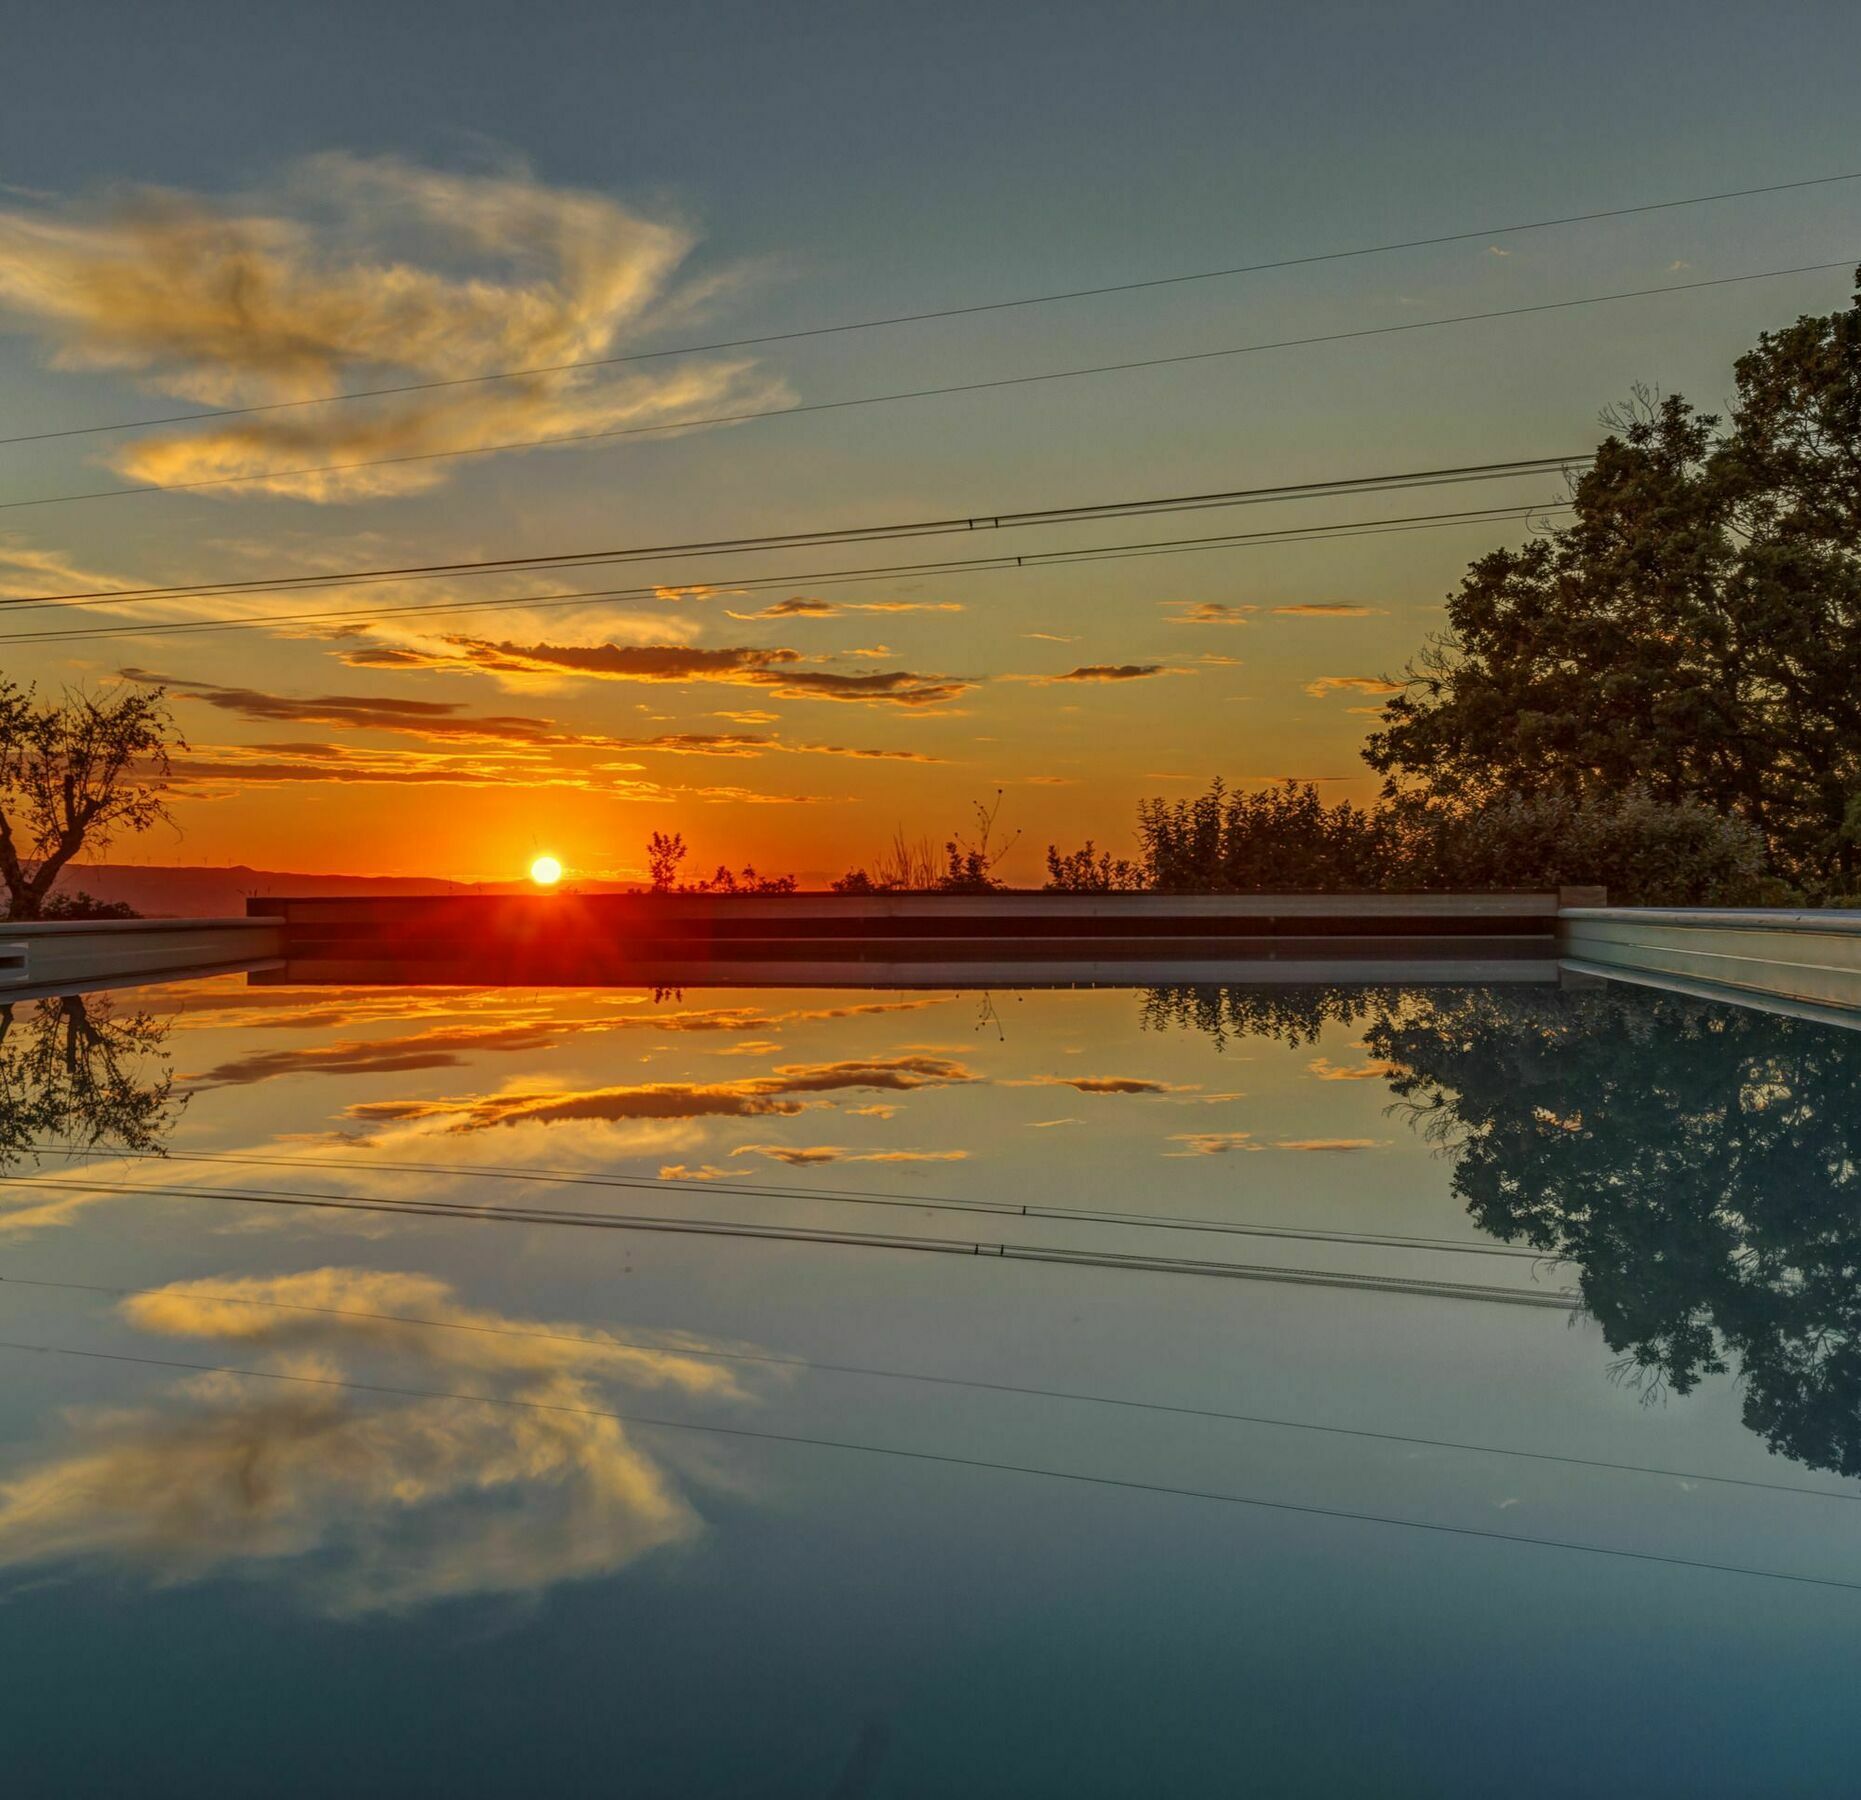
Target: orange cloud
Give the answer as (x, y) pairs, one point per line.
(1327, 609)
(718, 743)
(1351, 684)
(1103, 672)
(229, 767)
(221, 771)
(420, 718)
(1208, 612)
(739, 665)
(808, 606)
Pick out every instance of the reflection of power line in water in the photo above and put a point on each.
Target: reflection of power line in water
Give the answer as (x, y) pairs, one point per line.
(840, 1196)
(606, 1342)
(1563, 1299)
(949, 1459)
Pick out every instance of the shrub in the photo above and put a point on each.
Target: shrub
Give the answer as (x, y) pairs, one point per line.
(1091, 871)
(1281, 839)
(967, 865)
(1645, 852)
(744, 881)
(1284, 839)
(81, 905)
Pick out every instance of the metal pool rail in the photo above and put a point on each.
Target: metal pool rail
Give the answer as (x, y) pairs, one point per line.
(67, 956)
(1793, 960)
(1806, 960)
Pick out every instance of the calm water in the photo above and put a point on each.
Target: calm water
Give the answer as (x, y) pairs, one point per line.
(375, 1496)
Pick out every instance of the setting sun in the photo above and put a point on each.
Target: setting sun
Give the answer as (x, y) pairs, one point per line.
(546, 871)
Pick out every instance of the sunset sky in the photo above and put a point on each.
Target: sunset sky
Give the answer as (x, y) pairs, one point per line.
(240, 206)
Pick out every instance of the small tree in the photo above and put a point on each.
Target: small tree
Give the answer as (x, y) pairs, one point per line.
(73, 773)
(664, 852)
(970, 862)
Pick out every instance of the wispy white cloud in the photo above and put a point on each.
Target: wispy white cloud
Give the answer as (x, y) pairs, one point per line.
(358, 272)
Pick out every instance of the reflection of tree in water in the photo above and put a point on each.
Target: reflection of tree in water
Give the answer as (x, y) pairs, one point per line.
(1293, 1016)
(76, 1074)
(1699, 1164)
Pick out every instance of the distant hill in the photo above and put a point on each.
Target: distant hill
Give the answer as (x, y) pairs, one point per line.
(193, 892)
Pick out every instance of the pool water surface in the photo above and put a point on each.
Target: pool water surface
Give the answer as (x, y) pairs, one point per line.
(455, 1391)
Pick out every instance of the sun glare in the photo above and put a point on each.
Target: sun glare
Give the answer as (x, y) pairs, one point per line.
(546, 871)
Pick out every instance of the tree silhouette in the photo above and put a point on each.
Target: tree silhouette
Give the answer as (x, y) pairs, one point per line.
(72, 773)
(1693, 631)
(1698, 1165)
(75, 1074)
(1293, 1016)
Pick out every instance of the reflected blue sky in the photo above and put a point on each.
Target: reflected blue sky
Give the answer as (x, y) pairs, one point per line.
(429, 1543)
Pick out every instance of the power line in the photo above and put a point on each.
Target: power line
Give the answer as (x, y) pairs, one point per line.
(917, 318)
(956, 1381)
(814, 578)
(841, 1196)
(925, 393)
(827, 537)
(1561, 1299)
(755, 1434)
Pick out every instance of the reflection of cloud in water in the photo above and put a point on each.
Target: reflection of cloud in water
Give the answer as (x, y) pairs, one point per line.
(1212, 1143)
(369, 1502)
(439, 1047)
(1104, 1084)
(803, 1156)
(1326, 1070)
(752, 1097)
(522, 1027)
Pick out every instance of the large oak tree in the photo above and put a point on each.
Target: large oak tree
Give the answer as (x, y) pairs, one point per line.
(1696, 630)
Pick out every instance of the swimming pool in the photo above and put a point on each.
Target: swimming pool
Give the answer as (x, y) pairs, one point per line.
(460, 1391)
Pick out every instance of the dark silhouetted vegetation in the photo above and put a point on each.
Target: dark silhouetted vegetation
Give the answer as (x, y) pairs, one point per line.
(1288, 839)
(967, 866)
(739, 881)
(666, 851)
(1698, 1166)
(1090, 870)
(77, 1074)
(1695, 632)
(1662, 698)
(73, 773)
(1282, 839)
(80, 905)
